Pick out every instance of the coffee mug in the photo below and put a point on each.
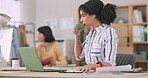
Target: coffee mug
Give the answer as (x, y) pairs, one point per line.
(79, 27)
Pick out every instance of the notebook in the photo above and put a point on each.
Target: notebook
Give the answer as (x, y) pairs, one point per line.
(123, 68)
(32, 61)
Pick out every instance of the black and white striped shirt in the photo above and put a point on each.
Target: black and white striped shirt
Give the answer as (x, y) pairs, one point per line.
(101, 45)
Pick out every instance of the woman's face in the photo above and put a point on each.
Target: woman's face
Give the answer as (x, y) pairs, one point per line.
(86, 19)
(41, 37)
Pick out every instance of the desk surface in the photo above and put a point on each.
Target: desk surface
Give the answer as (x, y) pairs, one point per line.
(27, 74)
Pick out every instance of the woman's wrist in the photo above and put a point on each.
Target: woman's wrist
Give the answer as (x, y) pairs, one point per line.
(77, 36)
(77, 39)
(94, 66)
(53, 62)
(100, 63)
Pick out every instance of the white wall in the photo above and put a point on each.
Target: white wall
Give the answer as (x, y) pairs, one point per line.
(67, 8)
(28, 15)
(28, 11)
(38, 10)
(11, 8)
(46, 9)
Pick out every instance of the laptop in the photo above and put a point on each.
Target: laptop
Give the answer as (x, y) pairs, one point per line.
(32, 61)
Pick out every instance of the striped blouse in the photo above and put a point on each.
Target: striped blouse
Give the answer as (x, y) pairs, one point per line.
(101, 45)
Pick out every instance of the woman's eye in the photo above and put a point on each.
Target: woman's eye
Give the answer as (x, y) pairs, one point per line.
(82, 16)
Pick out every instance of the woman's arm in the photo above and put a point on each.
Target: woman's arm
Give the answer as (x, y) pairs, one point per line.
(94, 66)
(77, 43)
(61, 58)
(111, 46)
(77, 47)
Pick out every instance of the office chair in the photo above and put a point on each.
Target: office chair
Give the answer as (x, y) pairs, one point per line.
(125, 59)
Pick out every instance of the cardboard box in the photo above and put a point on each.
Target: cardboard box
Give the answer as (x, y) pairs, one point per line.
(123, 42)
(125, 50)
(122, 31)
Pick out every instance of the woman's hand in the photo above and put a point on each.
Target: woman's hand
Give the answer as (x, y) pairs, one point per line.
(77, 33)
(89, 67)
(48, 60)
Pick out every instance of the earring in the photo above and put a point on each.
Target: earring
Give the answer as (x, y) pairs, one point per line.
(93, 17)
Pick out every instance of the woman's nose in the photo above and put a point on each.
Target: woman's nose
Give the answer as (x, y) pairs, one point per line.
(81, 20)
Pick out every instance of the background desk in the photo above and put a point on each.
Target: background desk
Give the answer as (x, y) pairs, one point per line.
(142, 63)
(27, 74)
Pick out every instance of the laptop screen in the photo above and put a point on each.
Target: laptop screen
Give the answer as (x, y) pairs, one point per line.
(30, 59)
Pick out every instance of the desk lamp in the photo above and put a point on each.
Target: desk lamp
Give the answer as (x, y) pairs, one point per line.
(4, 19)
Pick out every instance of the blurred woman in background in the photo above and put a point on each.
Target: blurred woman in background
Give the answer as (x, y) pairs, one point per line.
(50, 51)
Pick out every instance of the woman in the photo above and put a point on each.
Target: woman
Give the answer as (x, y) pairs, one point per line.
(50, 50)
(100, 47)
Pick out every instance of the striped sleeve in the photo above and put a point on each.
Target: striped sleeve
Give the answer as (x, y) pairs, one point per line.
(111, 46)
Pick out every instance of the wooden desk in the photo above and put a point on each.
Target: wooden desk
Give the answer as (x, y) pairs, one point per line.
(28, 74)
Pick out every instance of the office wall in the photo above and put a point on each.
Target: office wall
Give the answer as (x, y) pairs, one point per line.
(46, 9)
(27, 10)
(39, 10)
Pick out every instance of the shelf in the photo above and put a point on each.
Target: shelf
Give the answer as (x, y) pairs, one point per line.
(134, 5)
(140, 42)
(139, 5)
(125, 24)
(141, 61)
(145, 23)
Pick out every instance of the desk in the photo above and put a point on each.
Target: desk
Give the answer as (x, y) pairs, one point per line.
(27, 74)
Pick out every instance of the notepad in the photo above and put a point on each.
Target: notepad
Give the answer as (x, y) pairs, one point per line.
(115, 68)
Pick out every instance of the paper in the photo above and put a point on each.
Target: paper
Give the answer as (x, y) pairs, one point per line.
(53, 23)
(114, 69)
(72, 71)
(76, 71)
(68, 65)
(67, 23)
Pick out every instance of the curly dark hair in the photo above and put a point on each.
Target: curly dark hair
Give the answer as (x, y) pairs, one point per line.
(104, 13)
(47, 32)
